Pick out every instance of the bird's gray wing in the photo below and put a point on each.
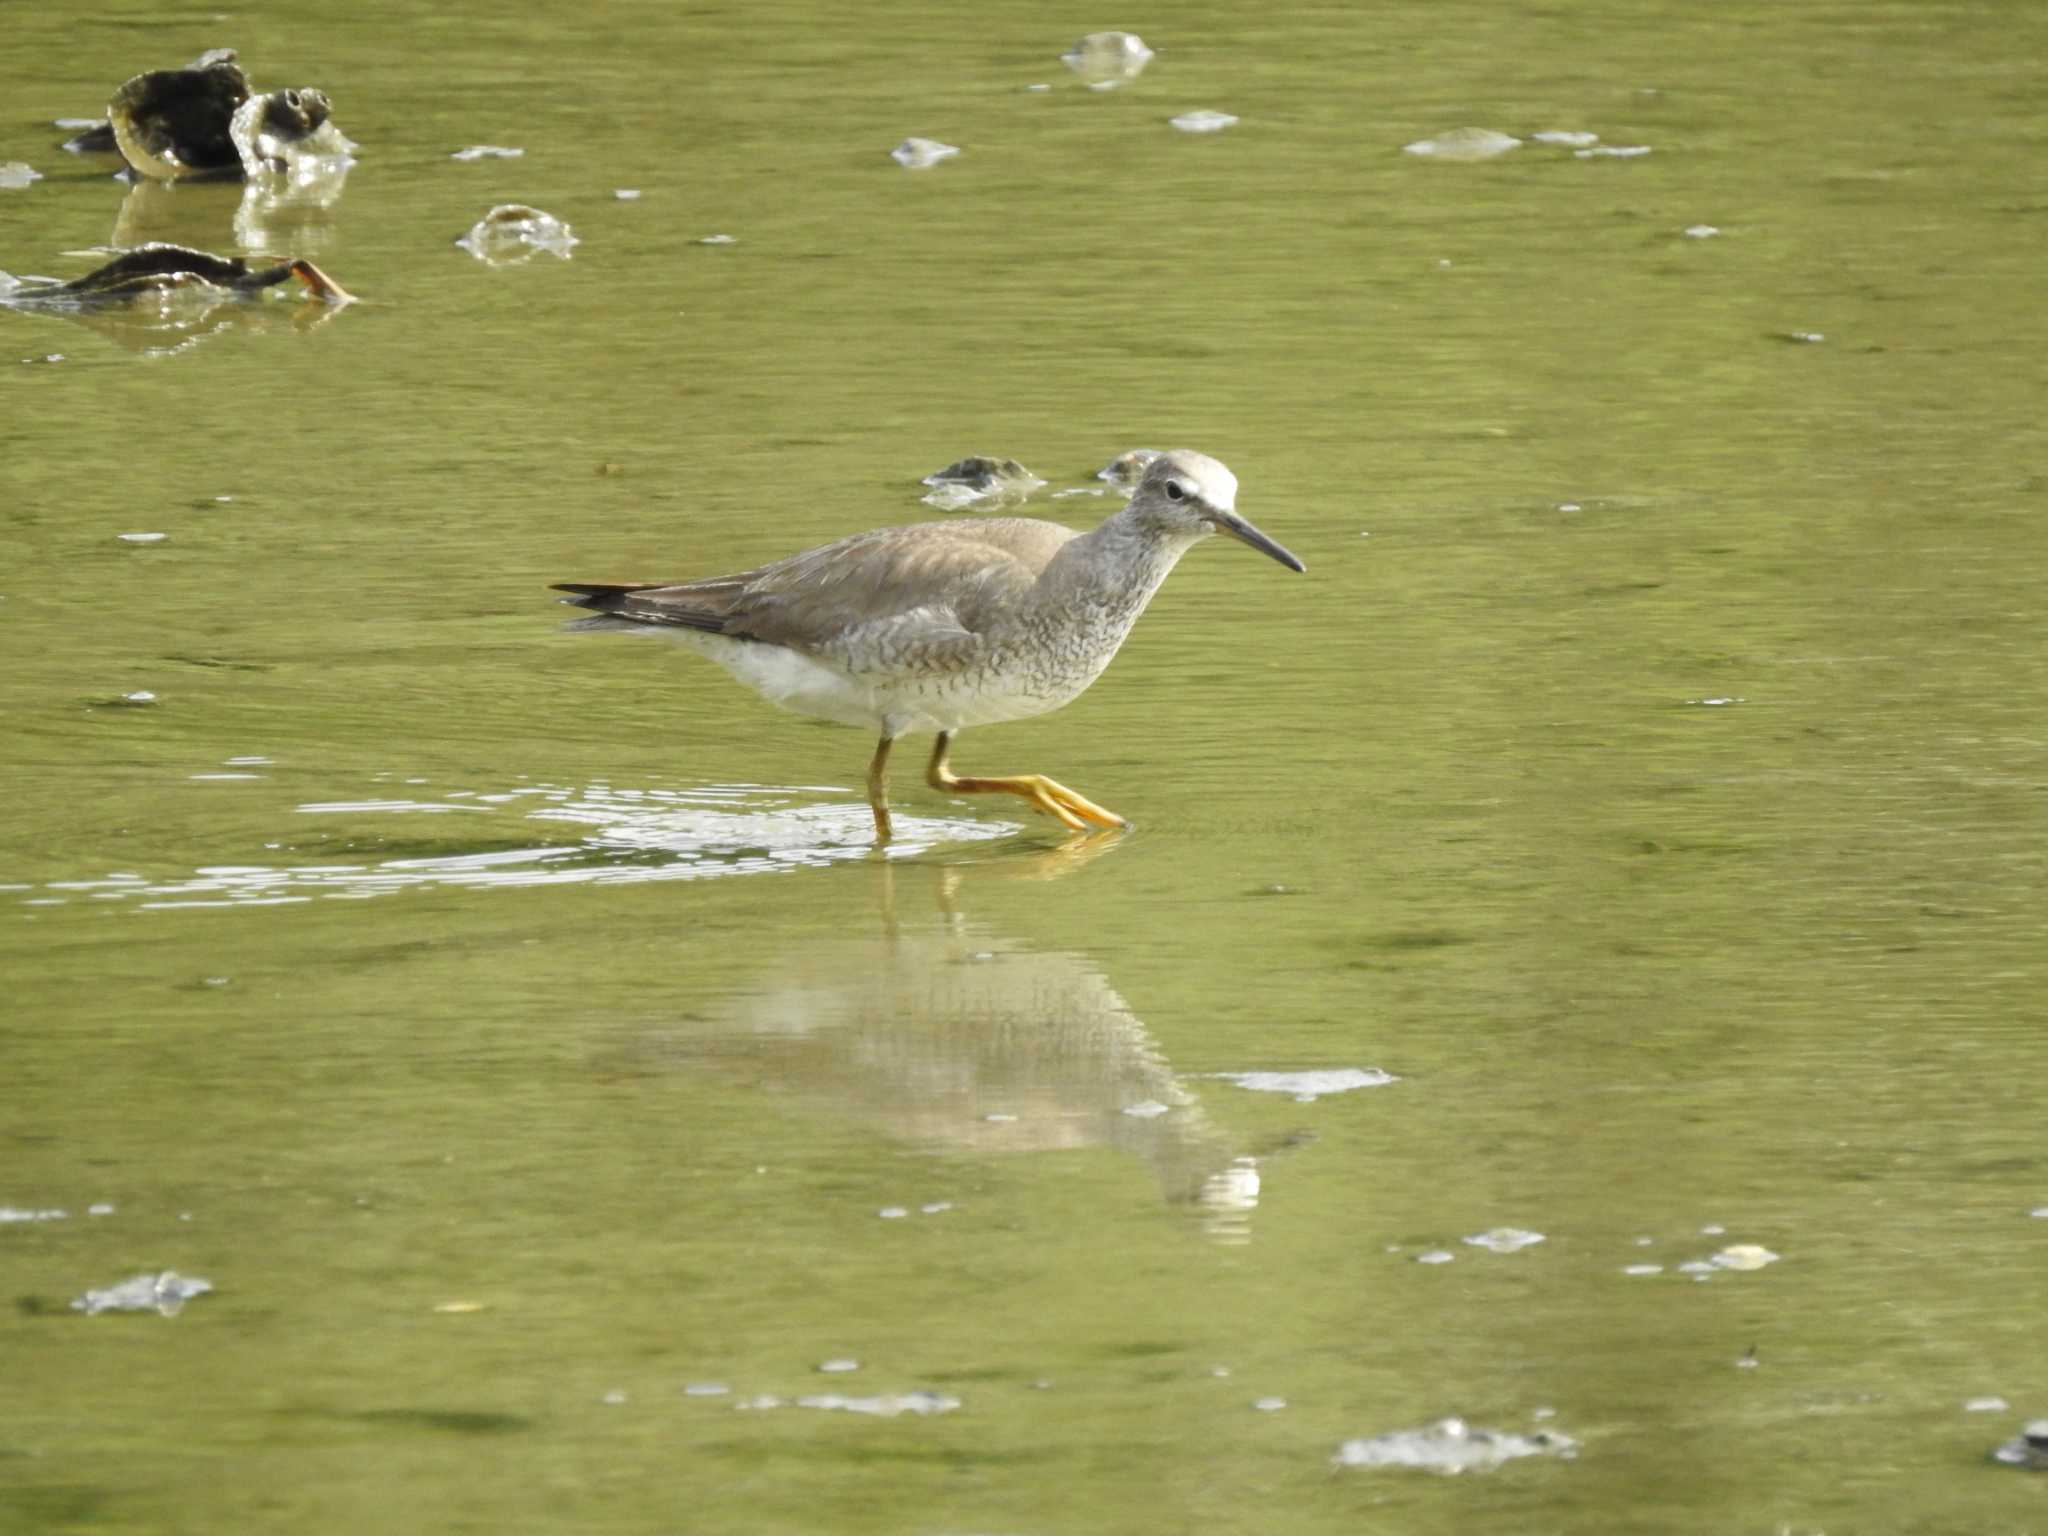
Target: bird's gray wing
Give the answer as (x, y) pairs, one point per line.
(941, 580)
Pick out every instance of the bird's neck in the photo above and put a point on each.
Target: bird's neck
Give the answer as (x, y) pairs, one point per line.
(1119, 564)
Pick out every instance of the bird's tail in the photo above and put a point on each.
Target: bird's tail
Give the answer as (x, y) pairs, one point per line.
(600, 596)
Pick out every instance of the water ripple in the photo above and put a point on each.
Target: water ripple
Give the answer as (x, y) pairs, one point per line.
(626, 835)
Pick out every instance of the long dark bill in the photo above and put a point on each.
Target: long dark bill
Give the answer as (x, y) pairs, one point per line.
(1238, 528)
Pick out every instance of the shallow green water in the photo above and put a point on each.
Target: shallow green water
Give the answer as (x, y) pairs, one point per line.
(523, 1022)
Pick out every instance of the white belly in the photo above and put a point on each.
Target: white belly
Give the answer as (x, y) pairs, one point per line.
(890, 706)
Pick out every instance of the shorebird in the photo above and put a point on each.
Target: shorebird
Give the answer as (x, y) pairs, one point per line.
(939, 626)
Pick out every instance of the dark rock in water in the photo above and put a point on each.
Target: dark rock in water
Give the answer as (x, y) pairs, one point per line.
(2029, 1448)
(1127, 469)
(978, 472)
(96, 140)
(274, 131)
(979, 478)
(159, 268)
(174, 123)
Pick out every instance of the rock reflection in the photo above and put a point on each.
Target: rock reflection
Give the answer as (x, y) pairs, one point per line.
(286, 211)
(189, 213)
(291, 211)
(955, 1037)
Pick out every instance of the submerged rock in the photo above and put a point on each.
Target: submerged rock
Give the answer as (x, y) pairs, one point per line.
(91, 137)
(164, 1294)
(1106, 60)
(1127, 469)
(158, 268)
(979, 478)
(174, 123)
(2029, 1448)
(512, 232)
(921, 154)
(1463, 144)
(981, 472)
(205, 120)
(288, 131)
(1451, 1446)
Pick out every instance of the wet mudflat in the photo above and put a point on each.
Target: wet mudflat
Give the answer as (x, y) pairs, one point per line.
(1575, 970)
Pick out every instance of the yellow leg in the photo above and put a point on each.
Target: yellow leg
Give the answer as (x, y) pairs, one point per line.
(1054, 798)
(878, 788)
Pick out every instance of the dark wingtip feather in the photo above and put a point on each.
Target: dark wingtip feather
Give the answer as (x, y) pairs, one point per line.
(596, 594)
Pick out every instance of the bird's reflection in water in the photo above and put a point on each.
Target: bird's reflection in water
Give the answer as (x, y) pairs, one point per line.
(181, 319)
(954, 1037)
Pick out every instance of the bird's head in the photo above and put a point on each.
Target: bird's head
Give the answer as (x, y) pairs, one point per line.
(1190, 495)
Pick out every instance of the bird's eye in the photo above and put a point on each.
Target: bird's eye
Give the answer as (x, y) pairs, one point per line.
(1174, 491)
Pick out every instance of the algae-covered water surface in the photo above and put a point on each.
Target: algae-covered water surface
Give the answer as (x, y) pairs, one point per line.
(1576, 966)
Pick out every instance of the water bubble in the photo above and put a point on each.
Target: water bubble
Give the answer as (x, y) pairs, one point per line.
(514, 232)
(1505, 1239)
(1106, 60)
(487, 152)
(1203, 121)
